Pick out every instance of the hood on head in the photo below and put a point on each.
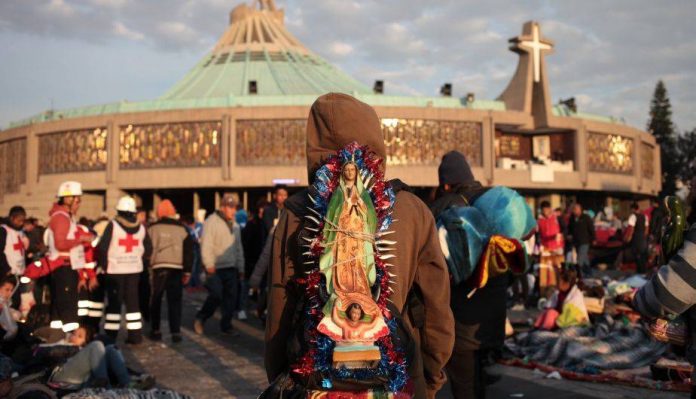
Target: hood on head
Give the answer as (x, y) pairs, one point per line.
(454, 169)
(335, 120)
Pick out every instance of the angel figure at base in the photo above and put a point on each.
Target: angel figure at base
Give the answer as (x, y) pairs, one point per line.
(351, 316)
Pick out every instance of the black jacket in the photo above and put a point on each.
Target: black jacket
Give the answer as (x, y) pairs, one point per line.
(270, 213)
(253, 239)
(581, 230)
(4, 264)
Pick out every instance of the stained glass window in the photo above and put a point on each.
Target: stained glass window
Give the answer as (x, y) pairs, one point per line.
(647, 160)
(609, 153)
(424, 142)
(408, 141)
(170, 145)
(13, 155)
(73, 151)
(271, 142)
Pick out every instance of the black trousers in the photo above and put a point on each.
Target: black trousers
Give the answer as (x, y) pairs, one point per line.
(144, 292)
(64, 299)
(466, 375)
(169, 281)
(223, 288)
(90, 306)
(123, 289)
(465, 369)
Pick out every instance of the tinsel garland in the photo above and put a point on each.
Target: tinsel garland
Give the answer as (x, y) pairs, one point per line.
(318, 357)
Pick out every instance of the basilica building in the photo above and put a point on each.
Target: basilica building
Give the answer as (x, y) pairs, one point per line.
(236, 122)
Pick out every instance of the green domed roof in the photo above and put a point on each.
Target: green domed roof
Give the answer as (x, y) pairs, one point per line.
(257, 47)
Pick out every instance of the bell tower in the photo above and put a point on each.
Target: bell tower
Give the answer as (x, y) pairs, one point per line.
(528, 91)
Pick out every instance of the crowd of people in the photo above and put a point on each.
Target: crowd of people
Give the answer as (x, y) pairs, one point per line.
(68, 289)
(595, 241)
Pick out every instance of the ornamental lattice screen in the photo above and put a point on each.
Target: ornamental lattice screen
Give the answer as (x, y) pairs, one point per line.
(610, 153)
(266, 142)
(165, 145)
(408, 141)
(81, 150)
(13, 171)
(647, 160)
(424, 142)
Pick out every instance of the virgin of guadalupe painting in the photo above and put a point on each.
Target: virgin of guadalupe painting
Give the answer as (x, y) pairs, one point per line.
(351, 318)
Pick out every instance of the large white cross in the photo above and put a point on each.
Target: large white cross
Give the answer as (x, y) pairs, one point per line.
(535, 45)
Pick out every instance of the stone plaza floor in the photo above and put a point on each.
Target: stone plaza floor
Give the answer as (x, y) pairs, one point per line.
(215, 366)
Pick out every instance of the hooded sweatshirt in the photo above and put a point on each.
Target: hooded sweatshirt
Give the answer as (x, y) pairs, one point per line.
(336, 120)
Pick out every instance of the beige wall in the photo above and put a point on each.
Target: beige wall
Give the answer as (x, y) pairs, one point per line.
(38, 191)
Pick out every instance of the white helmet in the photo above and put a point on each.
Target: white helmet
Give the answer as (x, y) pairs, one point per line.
(126, 204)
(69, 189)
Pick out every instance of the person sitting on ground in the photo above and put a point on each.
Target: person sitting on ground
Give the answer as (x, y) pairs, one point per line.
(566, 308)
(17, 340)
(8, 315)
(92, 364)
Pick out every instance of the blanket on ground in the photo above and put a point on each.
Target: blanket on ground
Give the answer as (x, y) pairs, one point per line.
(125, 394)
(608, 344)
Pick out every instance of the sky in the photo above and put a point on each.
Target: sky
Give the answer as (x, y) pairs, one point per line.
(608, 54)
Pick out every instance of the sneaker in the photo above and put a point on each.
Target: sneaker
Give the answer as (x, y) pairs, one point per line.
(241, 315)
(155, 336)
(198, 326)
(176, 338)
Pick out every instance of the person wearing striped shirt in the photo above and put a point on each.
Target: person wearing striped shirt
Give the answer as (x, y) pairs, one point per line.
(672, 291)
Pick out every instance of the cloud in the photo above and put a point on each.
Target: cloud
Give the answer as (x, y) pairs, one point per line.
(608, 55)
(59, 7)
(110, 3)
(121, 30)
(340, 49)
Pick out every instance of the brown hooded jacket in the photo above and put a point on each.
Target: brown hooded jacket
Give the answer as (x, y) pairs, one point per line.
(336, 120)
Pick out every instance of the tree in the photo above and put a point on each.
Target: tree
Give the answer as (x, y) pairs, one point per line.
(662, 127)
(686, 146)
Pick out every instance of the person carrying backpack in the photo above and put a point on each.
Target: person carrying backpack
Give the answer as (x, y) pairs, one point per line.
(480, 231)
(397, 276)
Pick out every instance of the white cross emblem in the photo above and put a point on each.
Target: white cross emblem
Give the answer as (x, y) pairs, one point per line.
(535, 46)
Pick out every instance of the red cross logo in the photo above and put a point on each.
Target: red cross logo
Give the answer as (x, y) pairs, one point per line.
(19, 247)
(129, 242)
